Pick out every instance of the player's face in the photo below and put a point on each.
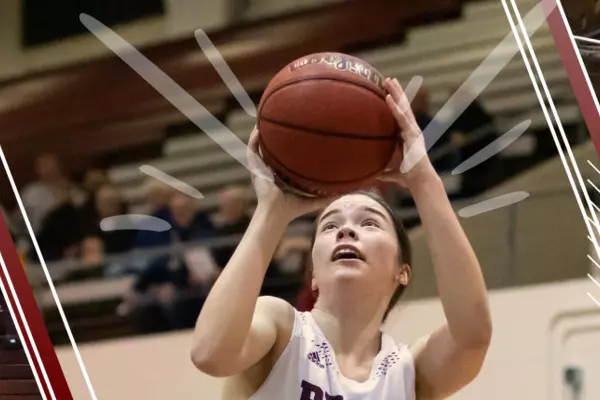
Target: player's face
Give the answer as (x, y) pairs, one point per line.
(355, 240)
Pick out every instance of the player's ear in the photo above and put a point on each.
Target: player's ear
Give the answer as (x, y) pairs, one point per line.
(403, 274)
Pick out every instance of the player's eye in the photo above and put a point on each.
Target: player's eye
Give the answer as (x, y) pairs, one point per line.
(329, 226)
(370, 223)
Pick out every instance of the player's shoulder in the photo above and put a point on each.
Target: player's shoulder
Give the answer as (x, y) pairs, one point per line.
(277, 310)
(416, 347)
(280, 316)
(274, 304)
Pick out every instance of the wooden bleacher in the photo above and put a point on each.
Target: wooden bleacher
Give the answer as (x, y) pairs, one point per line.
(92, 109)
(444, 54)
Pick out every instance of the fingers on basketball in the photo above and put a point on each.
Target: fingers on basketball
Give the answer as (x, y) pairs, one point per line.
(256, 165)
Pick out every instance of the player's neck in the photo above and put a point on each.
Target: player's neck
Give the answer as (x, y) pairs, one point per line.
(351, 331)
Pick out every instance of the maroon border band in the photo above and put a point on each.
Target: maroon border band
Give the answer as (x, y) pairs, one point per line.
(33, 317)
(575, 73)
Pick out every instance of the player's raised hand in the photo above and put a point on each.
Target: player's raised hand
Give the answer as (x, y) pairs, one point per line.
(419, 165)
(268, 191)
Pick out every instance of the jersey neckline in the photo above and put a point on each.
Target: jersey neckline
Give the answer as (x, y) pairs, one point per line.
(386, 342)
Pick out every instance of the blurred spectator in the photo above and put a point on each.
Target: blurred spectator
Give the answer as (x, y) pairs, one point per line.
(60, 230)
(232, 218)
(158, 196)
(421, 110)
(293, 254)
(99, 242)
(472, 121)
(472, 130)
(170, 292)
(52, 189)
(188, 222)
(93, 180)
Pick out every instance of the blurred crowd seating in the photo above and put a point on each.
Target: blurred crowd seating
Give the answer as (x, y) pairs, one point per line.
(122, 282)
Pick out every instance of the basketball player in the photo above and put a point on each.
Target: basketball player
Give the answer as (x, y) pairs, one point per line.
(361, 263)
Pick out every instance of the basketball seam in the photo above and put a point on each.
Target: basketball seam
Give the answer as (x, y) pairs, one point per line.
(317, 131)
(265, 149)
(328, 133)
(323, 78)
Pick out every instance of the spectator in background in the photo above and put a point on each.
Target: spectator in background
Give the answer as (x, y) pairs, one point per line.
(158, 196)
(232, 218)
(188, 222)
(52, 189)
(472, 120)
(169, 293)
(292, 254)
(472, 130)
(60, 231)
(93, 180)
(421, 109)
(100, 242)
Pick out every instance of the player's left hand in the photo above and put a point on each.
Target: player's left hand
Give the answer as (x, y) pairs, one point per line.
(419, 166)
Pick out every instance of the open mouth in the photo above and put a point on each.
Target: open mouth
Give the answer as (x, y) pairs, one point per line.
(346, 252)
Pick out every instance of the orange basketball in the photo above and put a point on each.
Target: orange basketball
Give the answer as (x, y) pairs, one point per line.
(324, 125)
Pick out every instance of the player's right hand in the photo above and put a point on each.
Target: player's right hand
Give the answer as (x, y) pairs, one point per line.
(272, 197)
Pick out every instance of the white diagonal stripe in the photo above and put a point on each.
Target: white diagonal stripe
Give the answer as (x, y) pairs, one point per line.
(554, 113)
(594, 186)
(473, 86)
(493, 148)
(226, 74)
(594, 261)
(492, 204)
(585, 39)
(593, 166)
(171, 181)
(593, 280)
(28, 355)
(594, 299)
(61, 312)
(174, 93)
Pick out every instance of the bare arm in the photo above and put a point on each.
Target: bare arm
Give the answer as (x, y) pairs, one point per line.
(234, 331)
(453, 355)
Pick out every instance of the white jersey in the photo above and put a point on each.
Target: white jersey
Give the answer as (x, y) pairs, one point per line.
(307, 370)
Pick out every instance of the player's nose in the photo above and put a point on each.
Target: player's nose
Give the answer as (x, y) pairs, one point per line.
(346, 232)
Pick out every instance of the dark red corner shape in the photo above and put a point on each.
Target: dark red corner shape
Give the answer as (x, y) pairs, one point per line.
(575, 71)
(33, 317)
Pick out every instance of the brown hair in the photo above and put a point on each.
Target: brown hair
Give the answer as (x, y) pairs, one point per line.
(404, 246)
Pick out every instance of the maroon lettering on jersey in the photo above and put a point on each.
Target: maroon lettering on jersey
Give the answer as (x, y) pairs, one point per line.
(313, 392)
(310, 392)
